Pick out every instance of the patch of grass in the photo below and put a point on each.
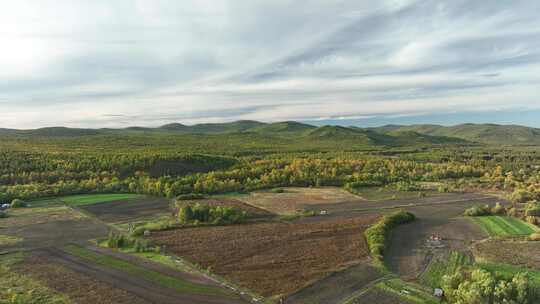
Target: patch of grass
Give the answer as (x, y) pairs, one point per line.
(443, 266)
(410, 292)
(6, 240)
(90, 199)
(504, 225)
(389, 193)
(17, 288)
(153, 276)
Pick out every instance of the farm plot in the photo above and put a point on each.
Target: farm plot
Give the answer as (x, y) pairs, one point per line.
(503, 225)
(517, 252)
(48, 226)
(445, 264)
(338, 286)
(126, 277)
(294, 200)
(408, 253)
(273, 258)
(121, 211)
(74, 285)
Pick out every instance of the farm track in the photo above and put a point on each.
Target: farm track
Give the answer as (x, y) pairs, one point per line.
(140, 287)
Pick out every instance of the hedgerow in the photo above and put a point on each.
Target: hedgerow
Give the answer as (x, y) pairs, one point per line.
(378, 234)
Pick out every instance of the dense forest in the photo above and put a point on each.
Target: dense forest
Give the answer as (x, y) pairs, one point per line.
(170, 164)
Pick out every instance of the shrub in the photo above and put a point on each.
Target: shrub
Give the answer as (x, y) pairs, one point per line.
(189, 196)
(532, 209)
(498, 209)
(205, 214)
(377, 235)
(17, 203)
(532, 220)
(278, 190)
(534, 237)
(480, 210)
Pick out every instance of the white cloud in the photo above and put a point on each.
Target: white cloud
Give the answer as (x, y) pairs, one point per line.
(195, 61)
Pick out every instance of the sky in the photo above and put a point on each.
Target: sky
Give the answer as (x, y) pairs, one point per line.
(119, 63)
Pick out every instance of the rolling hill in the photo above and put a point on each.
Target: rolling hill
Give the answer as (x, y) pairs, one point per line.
(481, 133)
(389, 135)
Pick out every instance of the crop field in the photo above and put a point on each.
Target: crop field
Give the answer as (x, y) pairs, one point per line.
(176, 283)
(90, 199)
(40, 215)
(294, 200)
(509, 251)
(75, 286)
(337, 287)
(379, 296)
(127, 210)
(273, 258)
(387, 193)
(504, 225)
(409, 292)
(446, 264)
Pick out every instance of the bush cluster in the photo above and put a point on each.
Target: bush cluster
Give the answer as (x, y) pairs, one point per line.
(152, 226)
(218, 215)
(17, 203)
(481, 286)
(377, 235)
(122, 241)
(408, 186)
(278, 190)
(485, 210)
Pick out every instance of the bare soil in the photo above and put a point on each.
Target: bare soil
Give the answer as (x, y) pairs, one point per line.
(55, 233)
(516, 251)
(296, 199)
(273, 258)
(129, 210)
(80, 288)
(136, 287)
(337, 287)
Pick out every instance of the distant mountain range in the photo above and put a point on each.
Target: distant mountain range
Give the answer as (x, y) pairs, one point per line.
(394, 135)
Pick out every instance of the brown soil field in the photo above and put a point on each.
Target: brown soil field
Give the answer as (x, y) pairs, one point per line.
(131, 285)
(55, 233)
(252, 211)
(338, 286)
(80, 288)
(129, 210)
(273, 258)
(295, 199)
(517, 252)
(378, 296)
(32, 216)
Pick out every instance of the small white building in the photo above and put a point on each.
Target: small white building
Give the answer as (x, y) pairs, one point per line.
(438, 292)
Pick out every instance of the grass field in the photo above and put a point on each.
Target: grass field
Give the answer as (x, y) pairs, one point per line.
(388, 193)
(150, 275)
(408, 291)
(90, 199)
(503, 225)
(6, 240)
(83, 199)
(444, 265)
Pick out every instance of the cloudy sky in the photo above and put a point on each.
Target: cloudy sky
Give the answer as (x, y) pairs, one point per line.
(115, 63)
